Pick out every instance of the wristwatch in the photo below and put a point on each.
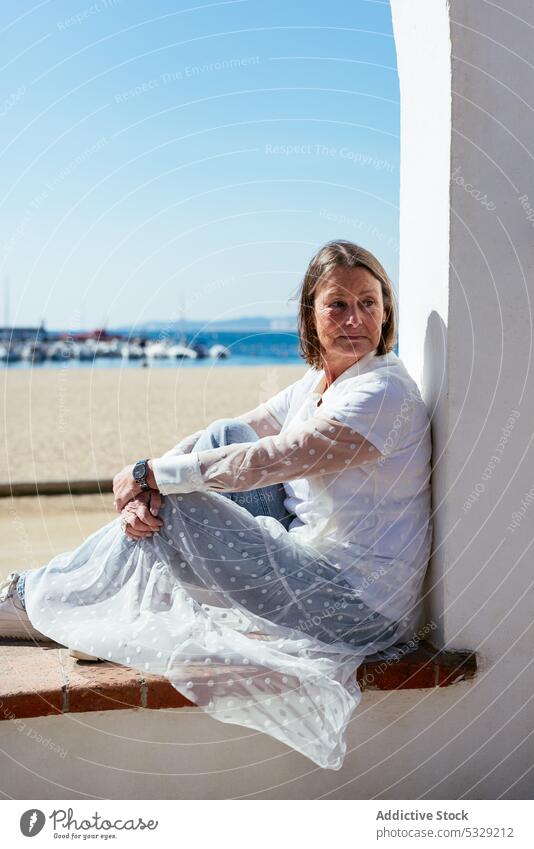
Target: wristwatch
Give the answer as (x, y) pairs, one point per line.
(140, 472)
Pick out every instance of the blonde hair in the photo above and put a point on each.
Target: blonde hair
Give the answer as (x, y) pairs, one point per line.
(341, 254)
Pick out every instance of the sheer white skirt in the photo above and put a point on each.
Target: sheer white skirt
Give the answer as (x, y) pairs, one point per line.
(184, 603)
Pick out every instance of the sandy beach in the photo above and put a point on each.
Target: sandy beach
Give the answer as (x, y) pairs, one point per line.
(67, 424)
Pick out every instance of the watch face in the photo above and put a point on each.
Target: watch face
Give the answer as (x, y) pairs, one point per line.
(139, 472)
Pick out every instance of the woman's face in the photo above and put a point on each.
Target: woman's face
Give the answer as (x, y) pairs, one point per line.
(349, 311)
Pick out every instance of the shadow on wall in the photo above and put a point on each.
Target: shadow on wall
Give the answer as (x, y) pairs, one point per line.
(434, 384)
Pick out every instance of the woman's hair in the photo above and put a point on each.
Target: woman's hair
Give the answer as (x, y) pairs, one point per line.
(340, 254)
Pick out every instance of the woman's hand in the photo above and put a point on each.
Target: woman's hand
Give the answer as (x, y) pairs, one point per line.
(125, 487)
(140, 515)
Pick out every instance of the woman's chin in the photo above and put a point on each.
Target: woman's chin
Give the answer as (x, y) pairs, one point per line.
(357, 348)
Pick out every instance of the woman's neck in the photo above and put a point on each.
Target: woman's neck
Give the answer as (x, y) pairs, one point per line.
(333, 370)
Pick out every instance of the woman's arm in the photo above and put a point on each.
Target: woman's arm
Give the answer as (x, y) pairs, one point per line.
(318, 446)
(185, 446)
(124, 487)
(261, 420)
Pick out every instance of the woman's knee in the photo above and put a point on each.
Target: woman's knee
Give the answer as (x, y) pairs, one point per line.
(228, 430)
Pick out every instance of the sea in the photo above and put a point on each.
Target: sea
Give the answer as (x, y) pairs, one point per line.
(246, 347)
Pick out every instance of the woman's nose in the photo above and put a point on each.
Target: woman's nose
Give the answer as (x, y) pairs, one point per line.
(354, 317)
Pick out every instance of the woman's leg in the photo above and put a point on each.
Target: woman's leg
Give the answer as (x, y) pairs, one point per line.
(14, 620)
(243, 561)
(264, 501)
(20, 587)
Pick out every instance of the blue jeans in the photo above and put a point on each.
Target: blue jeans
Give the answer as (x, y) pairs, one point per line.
(266, 501)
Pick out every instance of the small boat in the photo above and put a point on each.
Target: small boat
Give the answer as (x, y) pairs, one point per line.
(85, 352)
(219, 352)
(201, 350)
(33, 352)
(108, 349)
(183, 352)
(132, 351)
(14, 352)
(157, 351)
(61, 350)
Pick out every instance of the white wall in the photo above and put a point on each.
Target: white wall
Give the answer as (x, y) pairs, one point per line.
(466, 286)
(400, 746)
(423, 45)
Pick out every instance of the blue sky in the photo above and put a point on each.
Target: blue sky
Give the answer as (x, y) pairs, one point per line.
(170, 157)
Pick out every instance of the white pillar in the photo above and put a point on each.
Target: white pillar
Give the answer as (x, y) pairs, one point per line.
(466, 287)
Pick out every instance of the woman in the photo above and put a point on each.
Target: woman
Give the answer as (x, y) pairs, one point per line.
(305, 521)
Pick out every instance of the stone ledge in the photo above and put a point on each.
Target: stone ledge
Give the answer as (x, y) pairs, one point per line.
(44, 680)
(58, 487)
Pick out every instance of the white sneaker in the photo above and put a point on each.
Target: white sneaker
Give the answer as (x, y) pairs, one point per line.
(14, 621)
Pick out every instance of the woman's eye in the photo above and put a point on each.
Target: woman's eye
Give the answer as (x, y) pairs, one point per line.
(369, 302)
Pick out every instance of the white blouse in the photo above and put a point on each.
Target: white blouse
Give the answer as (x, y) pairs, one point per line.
(354, 460)
(309, 448)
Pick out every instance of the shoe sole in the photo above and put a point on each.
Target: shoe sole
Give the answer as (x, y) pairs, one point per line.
(81, 655)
